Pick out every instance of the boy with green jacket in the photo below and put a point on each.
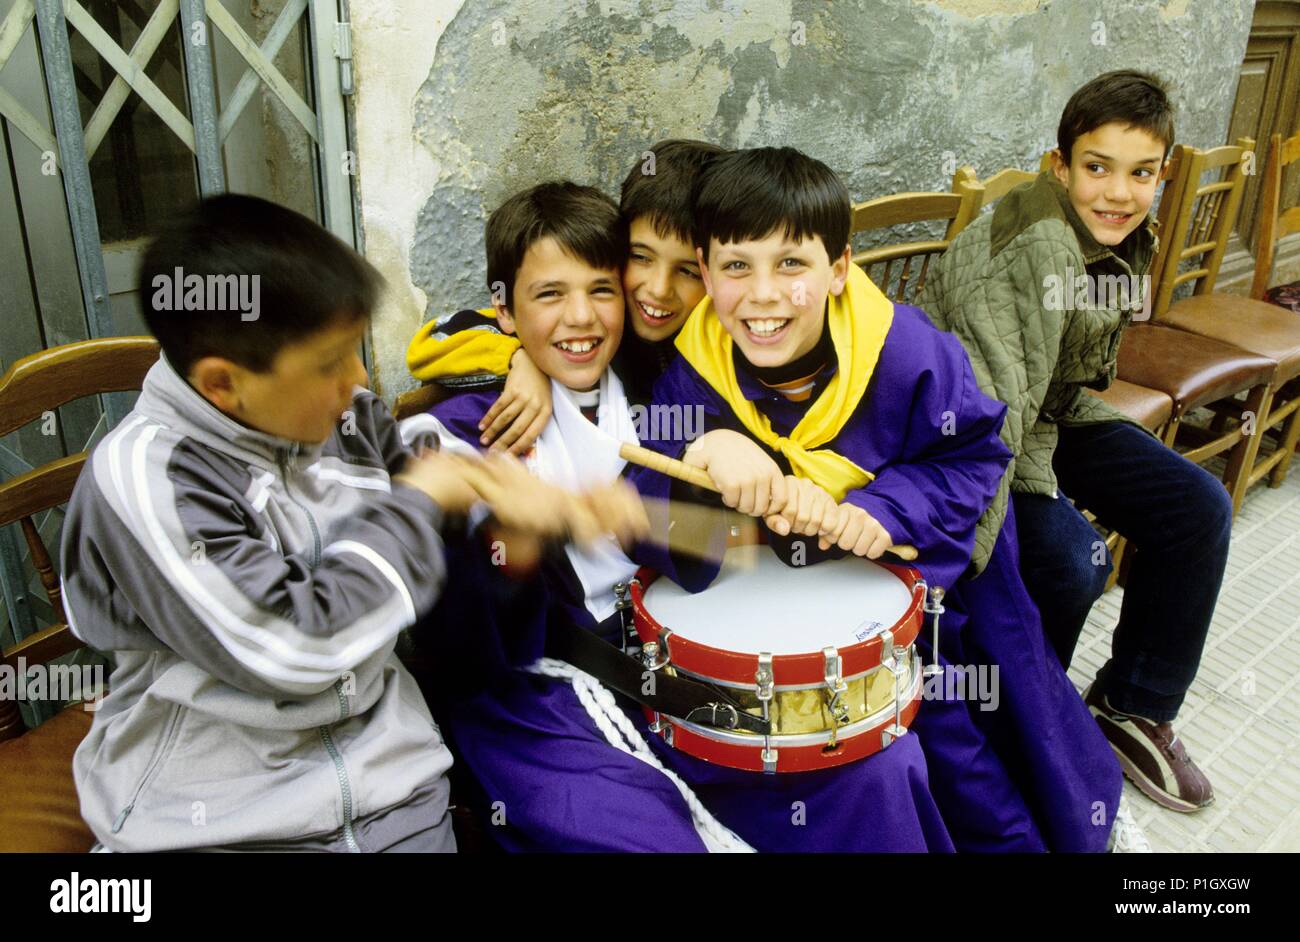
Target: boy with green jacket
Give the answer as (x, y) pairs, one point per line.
(1039, 291)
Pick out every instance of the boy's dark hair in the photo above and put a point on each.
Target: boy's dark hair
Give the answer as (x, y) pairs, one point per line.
(583, 220)
(1136, 99)
(665, 194)
(306, 280)
(748, 194)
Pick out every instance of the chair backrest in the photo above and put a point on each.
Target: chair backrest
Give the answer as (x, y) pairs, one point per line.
(31, 387)
(981, 193)
(987, 192)
(899, 269)
(1275, 221)
(1195, 218)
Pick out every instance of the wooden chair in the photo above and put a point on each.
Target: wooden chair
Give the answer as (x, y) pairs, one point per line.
(911, 258)
(39, 809)
(422, 399)
(1202, 222)
(1197, 371)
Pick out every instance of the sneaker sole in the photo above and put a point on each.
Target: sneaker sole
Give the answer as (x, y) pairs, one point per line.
(1154, 791)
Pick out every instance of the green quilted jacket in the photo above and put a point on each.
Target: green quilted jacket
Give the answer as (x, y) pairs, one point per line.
(1011, 287)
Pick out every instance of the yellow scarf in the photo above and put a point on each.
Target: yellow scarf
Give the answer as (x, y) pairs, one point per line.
(859, 320)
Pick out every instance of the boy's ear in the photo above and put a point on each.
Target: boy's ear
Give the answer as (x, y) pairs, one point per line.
(218, 380)
(840, 271)
(1060, 167)
(505, 320)
(704, 270)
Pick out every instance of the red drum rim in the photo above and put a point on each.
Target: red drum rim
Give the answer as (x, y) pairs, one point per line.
(737, 669)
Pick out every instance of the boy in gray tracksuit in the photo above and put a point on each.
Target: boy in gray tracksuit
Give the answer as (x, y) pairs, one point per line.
(248, 543)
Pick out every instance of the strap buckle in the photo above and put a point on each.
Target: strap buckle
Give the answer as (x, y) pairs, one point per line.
(707, 715)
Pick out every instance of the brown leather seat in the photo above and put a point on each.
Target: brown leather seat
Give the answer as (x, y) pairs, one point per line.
(1191, 369)
(39, 810)
(1256, 326)
(1149, 406)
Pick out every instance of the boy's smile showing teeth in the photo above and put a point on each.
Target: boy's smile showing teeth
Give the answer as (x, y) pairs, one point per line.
(579, 349)
(654, 315)
(1113, 219)
(766, 329)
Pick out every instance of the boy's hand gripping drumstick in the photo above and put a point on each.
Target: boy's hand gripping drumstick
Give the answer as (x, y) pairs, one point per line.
(700, 478)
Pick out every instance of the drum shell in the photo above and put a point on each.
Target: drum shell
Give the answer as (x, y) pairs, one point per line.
(799, 705)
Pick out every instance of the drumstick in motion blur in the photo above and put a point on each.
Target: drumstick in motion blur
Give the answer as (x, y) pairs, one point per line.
(700, 478)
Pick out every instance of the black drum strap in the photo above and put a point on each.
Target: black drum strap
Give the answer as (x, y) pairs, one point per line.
(678, 697)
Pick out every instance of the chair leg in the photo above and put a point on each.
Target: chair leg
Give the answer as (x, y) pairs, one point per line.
(1241, 459)
(1290, 436)
(1116, 560)
(1169, 433)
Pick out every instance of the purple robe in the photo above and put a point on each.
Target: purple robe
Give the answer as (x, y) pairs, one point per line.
(532, 746)
(1035, 773)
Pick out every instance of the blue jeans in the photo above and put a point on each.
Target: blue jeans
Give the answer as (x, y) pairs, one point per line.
(1177, 518)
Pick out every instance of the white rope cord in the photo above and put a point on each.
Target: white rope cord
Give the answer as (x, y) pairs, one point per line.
(621, 734)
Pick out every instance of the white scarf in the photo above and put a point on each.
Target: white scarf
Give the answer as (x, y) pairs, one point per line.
(579, 455)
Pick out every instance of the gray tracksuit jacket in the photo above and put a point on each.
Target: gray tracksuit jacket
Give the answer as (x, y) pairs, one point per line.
(251, 590)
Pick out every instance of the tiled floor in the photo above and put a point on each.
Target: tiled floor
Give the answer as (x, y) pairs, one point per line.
(1241, 720)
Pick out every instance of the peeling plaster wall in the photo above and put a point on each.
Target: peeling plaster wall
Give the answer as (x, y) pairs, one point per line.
(462, 103)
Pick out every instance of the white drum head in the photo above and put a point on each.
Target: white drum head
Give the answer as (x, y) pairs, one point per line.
(769, 606)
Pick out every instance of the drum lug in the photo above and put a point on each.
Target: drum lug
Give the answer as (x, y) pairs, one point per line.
(651, 649)
(897, 665)
(833, 668)
(766, 685)
(934, 606)
(661, 727)
(768, 756)
(887, 649)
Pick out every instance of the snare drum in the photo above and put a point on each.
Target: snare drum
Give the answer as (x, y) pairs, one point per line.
(825, 653)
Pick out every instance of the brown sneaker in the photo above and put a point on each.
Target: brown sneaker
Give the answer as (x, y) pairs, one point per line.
(1152, 756)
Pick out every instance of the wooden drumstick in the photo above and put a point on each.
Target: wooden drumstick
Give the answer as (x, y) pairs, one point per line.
(700, 478)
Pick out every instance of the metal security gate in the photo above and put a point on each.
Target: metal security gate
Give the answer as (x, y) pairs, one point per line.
(80, 181)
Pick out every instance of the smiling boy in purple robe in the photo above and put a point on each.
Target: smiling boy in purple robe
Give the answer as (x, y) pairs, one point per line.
(818, 391)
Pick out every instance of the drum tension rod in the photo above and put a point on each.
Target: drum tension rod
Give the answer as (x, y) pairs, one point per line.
(766, 683)
(934, 606)
(836, 688)
(894, 663)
